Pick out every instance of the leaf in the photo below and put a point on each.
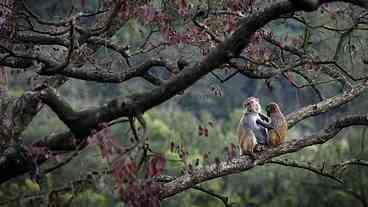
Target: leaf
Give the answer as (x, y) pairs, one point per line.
(197, 162)
(200, 130)
(104, 151)
(211, 124)
(182, 7)
(230, 24)
(156, 166)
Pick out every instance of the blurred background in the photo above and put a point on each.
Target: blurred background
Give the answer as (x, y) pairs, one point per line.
(216, 107)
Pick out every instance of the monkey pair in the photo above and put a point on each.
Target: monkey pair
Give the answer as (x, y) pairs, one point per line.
(256, 128)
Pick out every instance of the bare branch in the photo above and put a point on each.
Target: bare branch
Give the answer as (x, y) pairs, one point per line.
(245, 163)
(325, 105)
(224, 199)
(352, 162)
(307, 166)
(107, 76)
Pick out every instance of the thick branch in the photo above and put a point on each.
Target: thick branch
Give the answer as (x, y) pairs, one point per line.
(17, 113)
(138, 103)
(212, 171)
(107, 76)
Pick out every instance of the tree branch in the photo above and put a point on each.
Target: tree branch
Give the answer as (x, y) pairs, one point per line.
(237, 165)
(325, 105)
(307, 166)
(224, 199)
(83, 73)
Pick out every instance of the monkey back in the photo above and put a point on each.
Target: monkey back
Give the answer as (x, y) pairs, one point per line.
(249, 121)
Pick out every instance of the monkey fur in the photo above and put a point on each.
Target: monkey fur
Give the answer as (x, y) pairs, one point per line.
(252, 129)
(279, 124)
(247, 139)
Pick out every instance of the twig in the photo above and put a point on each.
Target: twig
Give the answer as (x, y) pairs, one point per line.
(224, 199)
(296, 164)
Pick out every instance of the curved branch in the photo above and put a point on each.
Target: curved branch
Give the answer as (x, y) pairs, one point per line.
(325, 105)
(307, 166)
(40, 39)
(141, 102)
(352, 162)
(224, 199)
(107, 76)
(237, 165)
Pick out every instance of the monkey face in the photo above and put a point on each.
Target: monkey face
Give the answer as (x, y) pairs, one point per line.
(252, 104)
(272, 108)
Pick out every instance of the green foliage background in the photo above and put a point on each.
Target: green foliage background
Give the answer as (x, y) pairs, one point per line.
(178, 120)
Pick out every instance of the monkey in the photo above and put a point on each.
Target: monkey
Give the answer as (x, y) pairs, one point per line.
(252, 129)
(247, 139)
(279, 124)
(306, 5)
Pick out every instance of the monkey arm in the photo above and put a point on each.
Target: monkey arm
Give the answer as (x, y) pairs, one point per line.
(264, 117)
(267, 125)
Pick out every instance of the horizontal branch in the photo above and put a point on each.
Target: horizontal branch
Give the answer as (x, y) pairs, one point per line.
(307, 166)
(325, 105)
(106, 76)
(244, 163)
(40, 39)
(141, 102)
(17, 112)
(352, 162)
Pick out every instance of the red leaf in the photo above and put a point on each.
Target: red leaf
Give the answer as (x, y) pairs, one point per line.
(182, 7)
(131, 168)
(230, 24)
(149, 13)
(156, 166)
(104, 151)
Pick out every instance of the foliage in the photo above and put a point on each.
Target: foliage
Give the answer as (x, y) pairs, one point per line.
(296, 60)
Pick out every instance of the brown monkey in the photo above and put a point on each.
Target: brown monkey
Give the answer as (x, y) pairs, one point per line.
(252, 129)
(247, 140)
(278, 122)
